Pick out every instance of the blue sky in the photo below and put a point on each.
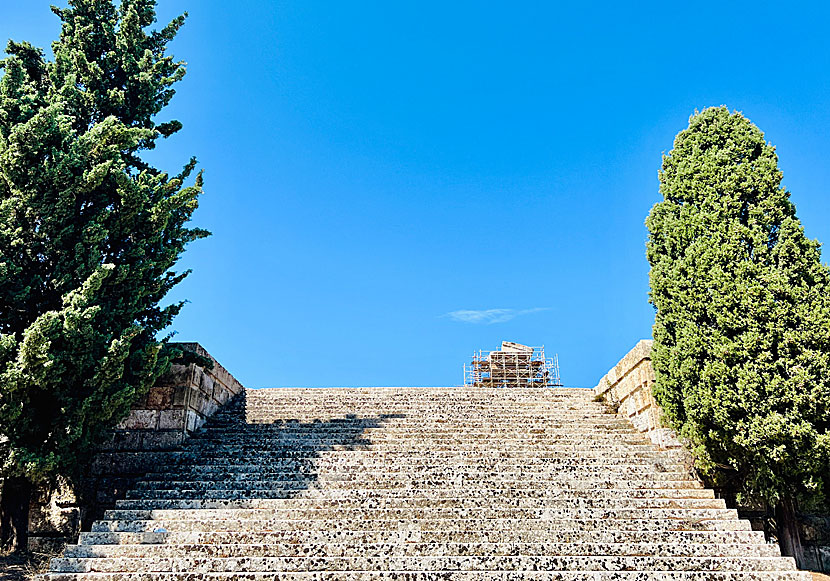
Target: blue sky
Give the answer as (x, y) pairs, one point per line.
(391, 185)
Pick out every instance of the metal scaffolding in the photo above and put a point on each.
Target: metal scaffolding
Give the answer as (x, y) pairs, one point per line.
(515, 365)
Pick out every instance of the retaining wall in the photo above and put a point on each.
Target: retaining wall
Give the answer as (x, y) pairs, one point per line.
(628, 385)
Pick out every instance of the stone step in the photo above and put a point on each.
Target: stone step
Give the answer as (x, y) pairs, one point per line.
(583, 451)
(491, 535)
(440, 476)
(624, 447)
(413, 399)
(601, 482)
(409, 394)
(612, 425)
(407, 494)
(193, 499)
(261, 499)
(328, 461)
(423, 563)
(391, 458)
(426, 549)
(445, 576)
(432, 416)
(362, 452)
(605, 425)
(553, 524)
(252, 441)
(468, 467)
(411, 513)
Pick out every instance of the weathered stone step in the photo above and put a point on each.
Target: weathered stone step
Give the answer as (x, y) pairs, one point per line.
(633, 446)
(444, 576)
(409, 396)
(428, 548)
(552, 524)
(581, 449)
(267, 442)
(410, 513)
(440, 476)
(424, 563)
(346, 458)
(415, 453)
(327, 461)
(311, 480)
(491, 535)
(453, 425)
(338, 418)
(428, 465)
(419, 493)
(261, 499)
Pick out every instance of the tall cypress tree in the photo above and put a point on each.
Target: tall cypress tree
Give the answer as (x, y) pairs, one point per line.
(89, 233)
(742, 330)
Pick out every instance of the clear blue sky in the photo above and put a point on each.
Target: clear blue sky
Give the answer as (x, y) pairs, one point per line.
(372, 167)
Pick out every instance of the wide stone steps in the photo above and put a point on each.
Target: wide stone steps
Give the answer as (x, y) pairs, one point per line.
(422, 563)
(261, 499)
(419, 463)
(420, 484)
(412, 513)
(425, 549)
(375, 575)
(417, 494)
(553, 473)
(579, 450)
(378, 524)
(312, 481)
(709, 538)
(413, 496)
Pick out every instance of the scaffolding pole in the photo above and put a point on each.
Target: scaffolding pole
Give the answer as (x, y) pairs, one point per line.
(515, 365)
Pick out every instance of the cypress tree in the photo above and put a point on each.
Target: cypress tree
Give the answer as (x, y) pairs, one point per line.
(89, 233)
(742, 331)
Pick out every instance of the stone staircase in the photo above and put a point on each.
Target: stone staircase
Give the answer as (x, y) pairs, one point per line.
(417, 484)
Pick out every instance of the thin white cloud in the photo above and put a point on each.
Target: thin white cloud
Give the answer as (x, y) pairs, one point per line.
(490, 316)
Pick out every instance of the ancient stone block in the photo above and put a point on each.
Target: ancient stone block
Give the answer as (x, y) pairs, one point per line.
(160, 398)
(140, 420)
(178, 375)
(180, 393)
(207, 384)
(171, 419)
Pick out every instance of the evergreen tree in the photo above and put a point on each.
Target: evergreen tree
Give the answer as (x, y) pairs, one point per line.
(742, 331)
(89, 233)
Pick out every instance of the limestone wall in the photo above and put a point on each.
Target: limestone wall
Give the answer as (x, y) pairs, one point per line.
(158, 424)
(628, 385)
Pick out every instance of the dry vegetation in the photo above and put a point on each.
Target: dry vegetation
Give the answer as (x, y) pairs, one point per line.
(23, 566)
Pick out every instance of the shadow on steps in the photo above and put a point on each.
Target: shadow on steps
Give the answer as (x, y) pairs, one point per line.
(242, 455)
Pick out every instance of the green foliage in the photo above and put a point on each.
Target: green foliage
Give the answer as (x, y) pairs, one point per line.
(742, 332)
(89, 232)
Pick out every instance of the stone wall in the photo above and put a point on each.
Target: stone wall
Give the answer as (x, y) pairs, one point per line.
(628, 386)
(158, 424)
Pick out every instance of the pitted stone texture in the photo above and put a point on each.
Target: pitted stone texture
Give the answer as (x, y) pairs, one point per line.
(420, 484)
